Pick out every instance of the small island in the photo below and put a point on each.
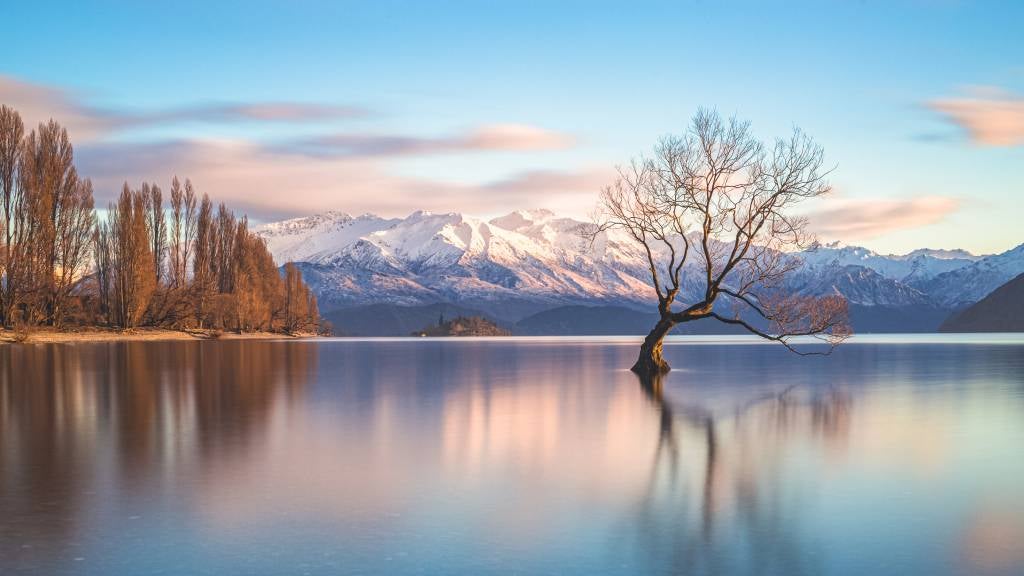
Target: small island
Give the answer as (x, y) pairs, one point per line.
(463, 326)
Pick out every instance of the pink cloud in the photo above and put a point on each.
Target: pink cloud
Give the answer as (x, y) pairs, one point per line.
(509, 137)
(991, 116)
(516, 137)
(37, 103)
(554, 182)
(269, 184)
(860, 219)
(301, 175)
(283, 112)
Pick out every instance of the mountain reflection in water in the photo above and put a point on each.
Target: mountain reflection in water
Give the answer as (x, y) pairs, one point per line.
(469, 457)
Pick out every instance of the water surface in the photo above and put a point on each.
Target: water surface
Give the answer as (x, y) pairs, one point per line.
(530, 456)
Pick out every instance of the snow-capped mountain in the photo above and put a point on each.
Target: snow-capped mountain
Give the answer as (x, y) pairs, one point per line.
(540, 259)
(430, 257)
(858, 284)
(969, 284)
(921, 264)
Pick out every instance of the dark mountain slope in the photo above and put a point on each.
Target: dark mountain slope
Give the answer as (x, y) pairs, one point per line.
(1000, 311)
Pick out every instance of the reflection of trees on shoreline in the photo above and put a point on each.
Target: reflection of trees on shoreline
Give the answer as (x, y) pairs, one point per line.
(40, 464)
(221, 397)
(716, 504)
(67, 412)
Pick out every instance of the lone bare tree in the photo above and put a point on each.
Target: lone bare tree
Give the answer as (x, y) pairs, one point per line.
(711, 210)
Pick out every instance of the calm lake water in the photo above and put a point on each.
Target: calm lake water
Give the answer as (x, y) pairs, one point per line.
(892, 456)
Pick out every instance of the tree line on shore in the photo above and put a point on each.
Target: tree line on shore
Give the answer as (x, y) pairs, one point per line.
(184, 264)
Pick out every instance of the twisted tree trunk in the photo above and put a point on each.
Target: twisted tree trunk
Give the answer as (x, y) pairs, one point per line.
(650, 362)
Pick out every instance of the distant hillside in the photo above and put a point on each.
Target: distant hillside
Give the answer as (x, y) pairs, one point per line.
(586, 321)
(396, 320)
(621, 321)
(463, 326)
(1000, 311)
(607, 321)
(392, 320)
(896, 319)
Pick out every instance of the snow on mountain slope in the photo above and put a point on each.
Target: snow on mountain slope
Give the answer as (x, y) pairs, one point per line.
(308, 239)
(538, 256)
(921, 264)
(425, 257)
(859, 284)
(969, 284)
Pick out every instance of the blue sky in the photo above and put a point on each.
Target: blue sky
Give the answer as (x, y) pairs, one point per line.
(286, 108)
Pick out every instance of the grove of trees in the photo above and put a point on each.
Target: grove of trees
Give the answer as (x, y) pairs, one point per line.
(182, 264)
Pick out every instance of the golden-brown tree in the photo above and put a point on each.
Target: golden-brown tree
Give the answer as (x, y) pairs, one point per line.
(713, 209)
(75, 222)
(47, 221)
(312, 313)
(48, 179)
(296, 300)
(156, 226)
(12, 130)
(103, 250)
(203, 265)
(132, 274)
(183, 230)
(224, 249)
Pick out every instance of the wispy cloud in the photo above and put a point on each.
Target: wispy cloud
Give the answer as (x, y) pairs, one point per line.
(38, 103)
(552, 182)
(302, 171)
(86, 122)
(267, 183)
(862, 219)
(990, 116)
(289, 112)
(487, 138)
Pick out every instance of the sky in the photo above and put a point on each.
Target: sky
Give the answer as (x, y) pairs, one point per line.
(284, 109)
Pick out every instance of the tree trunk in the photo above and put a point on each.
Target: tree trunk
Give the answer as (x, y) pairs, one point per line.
(650, 362)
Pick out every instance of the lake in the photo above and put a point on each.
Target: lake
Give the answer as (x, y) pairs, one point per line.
(894, 455)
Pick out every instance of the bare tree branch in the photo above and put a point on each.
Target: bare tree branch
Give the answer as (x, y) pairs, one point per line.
(720, 190)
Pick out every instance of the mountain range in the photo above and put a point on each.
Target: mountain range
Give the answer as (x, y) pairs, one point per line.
(533, 262)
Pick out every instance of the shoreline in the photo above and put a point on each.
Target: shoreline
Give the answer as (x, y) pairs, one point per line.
(85, 335)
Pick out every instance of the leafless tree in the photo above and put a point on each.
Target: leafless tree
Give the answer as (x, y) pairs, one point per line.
(12, 131)
(156, 226)
(183, 230)
(131, 258)
(203, 263)
(300, 307)
(103, 254)
(48, 181)
(714, 206)
(75, 222)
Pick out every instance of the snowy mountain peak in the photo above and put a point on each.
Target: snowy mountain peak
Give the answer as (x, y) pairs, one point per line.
(861, 252)
(942, 254)
(305, 223)
(522, 219)
(918, 265)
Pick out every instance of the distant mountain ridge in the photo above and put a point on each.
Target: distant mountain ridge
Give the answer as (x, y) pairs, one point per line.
(529, 261)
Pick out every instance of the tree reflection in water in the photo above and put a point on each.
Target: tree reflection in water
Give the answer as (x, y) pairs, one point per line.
(714, 503)
(145, 407)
